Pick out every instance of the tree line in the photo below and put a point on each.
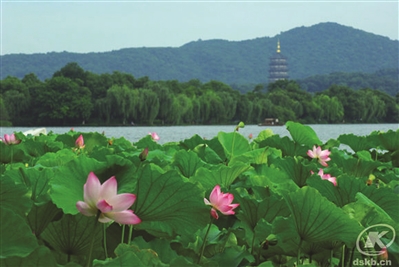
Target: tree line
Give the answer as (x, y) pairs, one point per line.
(73, 96)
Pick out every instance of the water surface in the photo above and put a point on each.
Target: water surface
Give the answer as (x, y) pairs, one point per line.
(179, 133)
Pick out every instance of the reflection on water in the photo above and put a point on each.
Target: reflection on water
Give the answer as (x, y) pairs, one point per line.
(179, 133)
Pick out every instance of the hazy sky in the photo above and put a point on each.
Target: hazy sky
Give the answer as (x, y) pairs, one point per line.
(98, 26)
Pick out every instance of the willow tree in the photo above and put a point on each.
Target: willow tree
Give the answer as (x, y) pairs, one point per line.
(165, 100)
(16, 96)
(3, 111)
(150, 106)
(375, 108)
(122, 103)
(331, 108)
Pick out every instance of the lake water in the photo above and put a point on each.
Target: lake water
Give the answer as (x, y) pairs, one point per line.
(178, 133)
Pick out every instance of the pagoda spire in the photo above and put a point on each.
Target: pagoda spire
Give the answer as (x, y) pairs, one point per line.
(278, 46)
(278, 66)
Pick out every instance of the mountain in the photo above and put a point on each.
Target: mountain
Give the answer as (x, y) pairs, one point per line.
(319, 49)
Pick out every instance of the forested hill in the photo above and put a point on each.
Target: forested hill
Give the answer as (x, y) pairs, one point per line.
(320, 49)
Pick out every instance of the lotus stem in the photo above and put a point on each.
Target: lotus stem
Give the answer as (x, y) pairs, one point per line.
(331, 258)
(130, 233)
(351, 255)
(343, 256)
(92, 239)
(123, 233)
(299, 251)
(205, 237)
(12, 156)
(105, 241)
(253, 243)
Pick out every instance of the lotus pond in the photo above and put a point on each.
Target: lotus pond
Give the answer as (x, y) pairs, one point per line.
(227, 201)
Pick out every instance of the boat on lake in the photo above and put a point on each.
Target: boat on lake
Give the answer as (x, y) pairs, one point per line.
(270, 122)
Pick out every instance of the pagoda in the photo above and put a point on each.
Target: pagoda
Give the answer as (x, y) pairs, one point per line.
(278, 67)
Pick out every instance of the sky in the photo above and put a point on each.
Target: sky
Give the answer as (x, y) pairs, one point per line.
(98, 26)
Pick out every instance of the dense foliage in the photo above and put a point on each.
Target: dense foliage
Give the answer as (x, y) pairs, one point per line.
(386, 80)
(320, 49)
(74, 96)
(287, 215)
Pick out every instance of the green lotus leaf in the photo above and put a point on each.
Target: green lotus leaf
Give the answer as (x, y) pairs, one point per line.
(265, 176)
(120, 144)
(211, 242)
(317, 219)
(261, 231)
(18, 151)
(14, 195)
(389, 140)
(167, 203)
(90, 140)
(257, 156)
(270, 263)
(264, 134)
(40, 216)
(207, 154)
(222, 175)
(52, 146)
(116, 165)
(192, 142)
(187, 162)
(40, 257)
(349, 186)
(263, 203)
(188, 246)
(17, 238)
(59, 158)
(234, 144)
(161, 158)
(358, 143)
(388, 177)
(216, 146)
(66, 187)
(37, 181)
(296, 168)
(147, 142)
(72, 235)
(285, 230)
(303, 134)
(217, 240)
(160, 246)
(131, 254)
(359, 167)
(342, 194)
(368, 213)
(385, 198)
(181, 261)
(285, 144)
(232, 256)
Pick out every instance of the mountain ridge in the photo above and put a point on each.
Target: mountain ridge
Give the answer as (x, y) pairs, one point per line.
(319, 49)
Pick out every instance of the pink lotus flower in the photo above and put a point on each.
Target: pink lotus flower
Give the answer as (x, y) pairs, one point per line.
(220, 202)
(10, 139)
(326, 176)
(321, 155)
(104, 199)
(154, 136)
(80, 143)
(250, 136)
